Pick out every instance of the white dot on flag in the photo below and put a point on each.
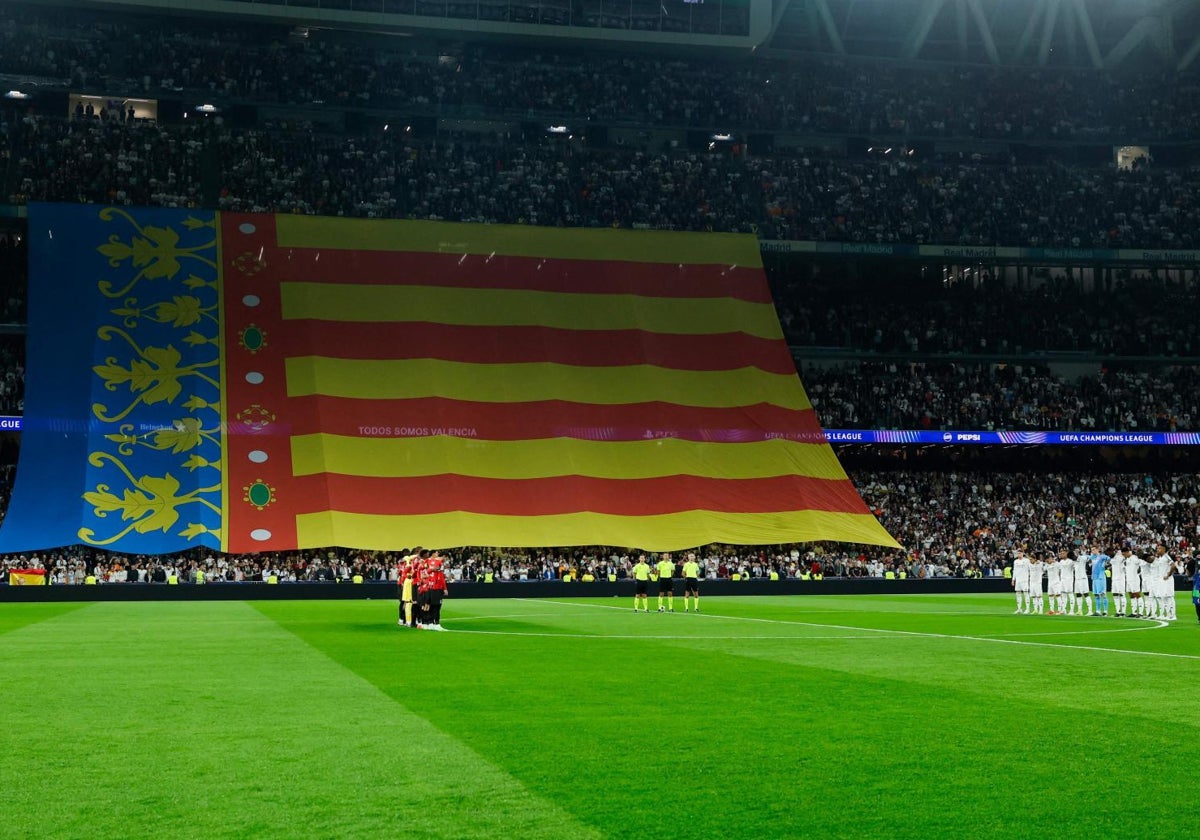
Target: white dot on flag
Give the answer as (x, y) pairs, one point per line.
(247, 228)
(251, 300)
(254, 377)
(260, 534)
(258, 456)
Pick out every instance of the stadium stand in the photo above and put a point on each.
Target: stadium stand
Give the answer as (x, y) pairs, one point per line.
(821, 149)
(1136, 314)
(918, 395)
(810, 94)
(549, 183)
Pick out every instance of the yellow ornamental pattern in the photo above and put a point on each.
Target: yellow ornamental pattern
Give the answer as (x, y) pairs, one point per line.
(155, 464)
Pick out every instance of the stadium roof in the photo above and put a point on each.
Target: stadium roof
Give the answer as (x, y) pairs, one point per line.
(1096, 34)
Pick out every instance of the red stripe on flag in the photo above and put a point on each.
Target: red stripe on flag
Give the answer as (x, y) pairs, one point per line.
(503, 345)
(575, 494)
(548, 419)
(477, 271)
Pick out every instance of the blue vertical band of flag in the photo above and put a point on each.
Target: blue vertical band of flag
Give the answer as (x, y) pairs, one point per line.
(123, 382)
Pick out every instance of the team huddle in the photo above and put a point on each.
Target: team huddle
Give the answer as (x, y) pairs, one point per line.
(1140, 588)
(422, 587)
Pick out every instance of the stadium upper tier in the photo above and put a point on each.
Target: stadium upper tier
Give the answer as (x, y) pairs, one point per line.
(206, 60)
(943, 200)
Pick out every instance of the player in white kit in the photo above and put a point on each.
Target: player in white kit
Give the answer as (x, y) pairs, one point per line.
(1150, 581)
(1148, 588)
(1133, 583)
(1181, 567)
(1020, 582)
(1053, 585)
(1066, 583)
(1082, 583)
(1118, 583)
(1060, 601)
(1162, 573)
(1036, 570)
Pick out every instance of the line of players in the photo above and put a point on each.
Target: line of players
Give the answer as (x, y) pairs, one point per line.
(1140, 588)
(423, 586)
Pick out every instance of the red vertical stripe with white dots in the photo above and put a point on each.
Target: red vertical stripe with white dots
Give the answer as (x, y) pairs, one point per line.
(260, 502)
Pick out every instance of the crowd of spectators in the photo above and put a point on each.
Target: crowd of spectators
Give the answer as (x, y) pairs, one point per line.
(12, 375)
(14, 276)
(1052, 205)
(1132, 314)
(914, 395)
(951, 524)
(148, 56)
(93, 162)
(547, 182)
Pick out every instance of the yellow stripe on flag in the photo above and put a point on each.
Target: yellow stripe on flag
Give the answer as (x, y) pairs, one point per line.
(525, 459)
(604, 244)
(399, 379)
(522, 308)
(665, 532)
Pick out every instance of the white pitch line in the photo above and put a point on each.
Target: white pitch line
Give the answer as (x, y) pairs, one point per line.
(511, 615)
(668, 638)
(918, 634)
(1155, 626)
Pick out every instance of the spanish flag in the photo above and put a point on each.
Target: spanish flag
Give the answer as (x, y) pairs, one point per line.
(264, 383)
(26, 577)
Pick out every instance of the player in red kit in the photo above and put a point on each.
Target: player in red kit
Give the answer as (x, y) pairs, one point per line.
(438, 590)
(420, 573)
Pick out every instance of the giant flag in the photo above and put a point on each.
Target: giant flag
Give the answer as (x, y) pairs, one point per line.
(263, 383)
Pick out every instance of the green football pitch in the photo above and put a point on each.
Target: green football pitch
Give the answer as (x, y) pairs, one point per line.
(774, 717)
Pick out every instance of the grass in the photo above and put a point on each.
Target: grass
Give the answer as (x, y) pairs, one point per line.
(896, 717)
